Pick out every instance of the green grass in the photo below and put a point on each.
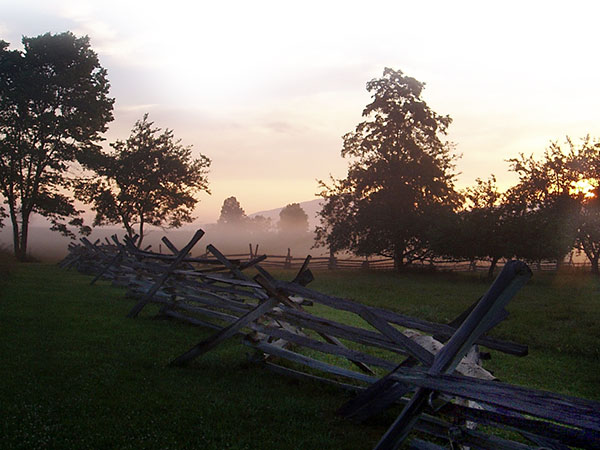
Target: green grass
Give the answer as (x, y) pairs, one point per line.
(77, 374)
(556, 315)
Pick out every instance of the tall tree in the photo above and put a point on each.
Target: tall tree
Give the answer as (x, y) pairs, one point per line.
(149, 179)
(401, 174)
(232, 213)
(293, 219)
(54, 105)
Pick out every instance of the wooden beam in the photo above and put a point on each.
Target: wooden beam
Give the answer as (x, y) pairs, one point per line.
(182, 254)
(113, 260)
(323, 347)
(568, 435)
(225, 333)
(412, 348)
(310, 362)
(510, 280)
(284, 299)
(563, 409)
(396, 318)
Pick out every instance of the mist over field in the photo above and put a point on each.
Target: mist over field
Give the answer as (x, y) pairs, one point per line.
(49, 246)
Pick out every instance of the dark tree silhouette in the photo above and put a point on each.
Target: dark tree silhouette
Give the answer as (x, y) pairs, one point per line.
(53, 106)
(542, 210)
(400, 175)
(588, 230)
(149, 179)
(484, 223)
(478, 230)
(232, 213)
(588, 226)
(293, 219)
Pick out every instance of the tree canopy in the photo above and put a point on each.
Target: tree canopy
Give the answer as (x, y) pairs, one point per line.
(149, 179)
(232, 213)
(293, 219)
(543, 206)
(401, 172)
(54, 105)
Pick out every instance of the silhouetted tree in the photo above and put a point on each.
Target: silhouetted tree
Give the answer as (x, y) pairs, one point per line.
(483, 223)
(478, 230)
(232, 213)
(53, 106)
(588, 231)
(293, 219)
(400, 176)
(542, 209)
(149, 179)
(588, 227)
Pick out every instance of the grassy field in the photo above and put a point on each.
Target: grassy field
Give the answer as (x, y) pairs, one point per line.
(77, 374)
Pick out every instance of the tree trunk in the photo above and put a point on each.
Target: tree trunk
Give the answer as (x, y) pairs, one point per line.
(24, 237)
(594, 262)
(398, 260)
(16, 240)
(559, 263)
(493, 263)
(472, 265)
(141, 233)
(593, 257)
(332, 260)
(20, 236)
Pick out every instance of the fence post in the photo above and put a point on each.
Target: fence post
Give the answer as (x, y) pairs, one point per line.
(288, 260)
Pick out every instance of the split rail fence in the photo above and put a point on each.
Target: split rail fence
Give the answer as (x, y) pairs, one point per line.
(431, 370)
(288, 261)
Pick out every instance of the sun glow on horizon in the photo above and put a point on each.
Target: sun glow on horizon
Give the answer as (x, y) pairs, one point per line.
(584, 187)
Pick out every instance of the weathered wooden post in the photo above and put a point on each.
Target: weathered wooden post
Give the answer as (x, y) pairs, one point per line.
(513, 276)
(288, 260)
(178, 259)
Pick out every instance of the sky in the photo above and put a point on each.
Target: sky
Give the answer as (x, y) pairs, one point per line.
(267, 89)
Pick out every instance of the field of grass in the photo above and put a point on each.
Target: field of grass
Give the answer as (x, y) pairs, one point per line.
(77, 374)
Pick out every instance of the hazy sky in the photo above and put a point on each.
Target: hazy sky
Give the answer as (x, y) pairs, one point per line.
(267, 89)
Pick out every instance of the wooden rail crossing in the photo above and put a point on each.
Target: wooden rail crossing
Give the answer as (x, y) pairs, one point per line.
(386, 362)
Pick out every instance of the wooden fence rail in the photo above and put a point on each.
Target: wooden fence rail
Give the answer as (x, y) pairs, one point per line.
(384, 356)
(288, 261)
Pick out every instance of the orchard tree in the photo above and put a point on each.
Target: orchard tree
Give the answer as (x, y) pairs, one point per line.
(149, 179)
(588, 231)
(232, 213)
(542, 210)
(293, 219)
(478, 230)
(54, 105)
(588, 226)
(401, 174)
(486, 223)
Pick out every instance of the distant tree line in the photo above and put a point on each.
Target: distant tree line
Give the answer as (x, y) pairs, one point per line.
(399, 198)
(293, 220)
